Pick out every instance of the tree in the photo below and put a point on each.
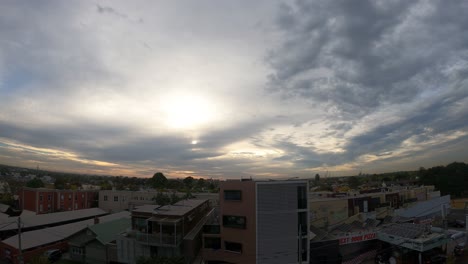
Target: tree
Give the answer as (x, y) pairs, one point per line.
(317, 178)
(188, 182)
(35, 183)
(353, 182)
(60, 183)
(201, 183)
(162, 199)
(158, 181)
(174, 198)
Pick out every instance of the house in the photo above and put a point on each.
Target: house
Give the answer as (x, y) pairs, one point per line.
(97, 243)
(36, 242)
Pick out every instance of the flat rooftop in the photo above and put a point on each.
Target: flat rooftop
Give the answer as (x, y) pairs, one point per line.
(178, 209)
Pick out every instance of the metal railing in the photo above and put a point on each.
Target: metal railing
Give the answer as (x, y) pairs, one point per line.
(157, 239)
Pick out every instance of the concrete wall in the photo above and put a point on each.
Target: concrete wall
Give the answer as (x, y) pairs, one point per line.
(331, 212)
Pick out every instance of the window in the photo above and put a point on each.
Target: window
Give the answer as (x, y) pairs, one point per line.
(82, 195)
(76, 197)
(61, 197)
(49, 197)
(233, 246)
(40, 197)
(123, 198)
(301, 197)
(234, 221)
(77, 251)
(302, 222)
(212, 242)
(232, 195)
(105, 197)
(116, 198)
(69, 197)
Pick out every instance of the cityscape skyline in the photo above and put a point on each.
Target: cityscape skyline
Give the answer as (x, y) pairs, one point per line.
(268, 89)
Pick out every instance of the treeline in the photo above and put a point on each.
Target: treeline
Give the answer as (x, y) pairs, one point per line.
(451, 179)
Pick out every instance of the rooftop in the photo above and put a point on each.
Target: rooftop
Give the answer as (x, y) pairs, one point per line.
(177, 209)
(109, 231)
(32, 220)
(49, 235)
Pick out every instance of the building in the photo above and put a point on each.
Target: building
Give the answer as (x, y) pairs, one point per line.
(30, 221)
(348, 226)
(97, 243)
(43, 200)
(260, 222)
(116, 201)
(35, 243)
(330, 209)
(165, 231)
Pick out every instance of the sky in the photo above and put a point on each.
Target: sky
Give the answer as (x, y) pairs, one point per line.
(230, 89)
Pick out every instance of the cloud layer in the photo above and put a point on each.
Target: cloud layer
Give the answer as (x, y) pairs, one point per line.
(265, 89)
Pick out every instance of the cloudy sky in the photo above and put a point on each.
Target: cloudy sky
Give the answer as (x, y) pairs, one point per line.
(229, 89)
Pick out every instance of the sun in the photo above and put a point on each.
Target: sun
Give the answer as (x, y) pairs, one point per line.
(188, 111)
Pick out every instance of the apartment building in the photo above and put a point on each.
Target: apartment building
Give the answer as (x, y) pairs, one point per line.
(116, 201)
(165, 231)
(43, 200)
(260, 222)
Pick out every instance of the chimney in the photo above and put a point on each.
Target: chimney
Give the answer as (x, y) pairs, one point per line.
(96, 220)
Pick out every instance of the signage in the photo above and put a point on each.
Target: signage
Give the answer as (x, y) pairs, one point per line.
(356, 238)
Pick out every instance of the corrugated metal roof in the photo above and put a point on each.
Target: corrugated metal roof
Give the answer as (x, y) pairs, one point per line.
(108, 232)
(49, 235)
(29, 220)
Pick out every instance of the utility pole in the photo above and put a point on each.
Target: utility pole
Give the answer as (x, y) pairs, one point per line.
(20, 257)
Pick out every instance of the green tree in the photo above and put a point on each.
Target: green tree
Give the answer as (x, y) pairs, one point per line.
(317, 178)
(175, 184)
(60, 183)
(174, 198)
(158, 181)
(188, 182)
(162, 199)
(35, 183)
(201, 183)
(353, 182)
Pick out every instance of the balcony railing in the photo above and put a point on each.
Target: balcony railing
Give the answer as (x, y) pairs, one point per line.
(157, 239)
(211, 229)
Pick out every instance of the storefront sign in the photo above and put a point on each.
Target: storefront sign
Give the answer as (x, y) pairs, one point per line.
(357, 238)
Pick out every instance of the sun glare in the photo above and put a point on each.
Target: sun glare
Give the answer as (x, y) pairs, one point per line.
(188, 112)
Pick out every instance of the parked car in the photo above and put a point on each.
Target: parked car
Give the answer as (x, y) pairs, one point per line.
(456, 223)
(53, 254)
(459, 249)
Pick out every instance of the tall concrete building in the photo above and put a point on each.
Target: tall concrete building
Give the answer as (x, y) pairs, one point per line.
(259, 222)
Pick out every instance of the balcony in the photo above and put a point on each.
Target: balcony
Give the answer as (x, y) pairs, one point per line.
(156, 239)
(211, 229)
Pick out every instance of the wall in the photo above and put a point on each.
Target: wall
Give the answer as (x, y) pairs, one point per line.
(278, 222)
(247, 237)
(331, 212)
(29, 254)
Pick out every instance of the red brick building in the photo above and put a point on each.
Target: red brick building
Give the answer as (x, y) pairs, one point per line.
(42, 200)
